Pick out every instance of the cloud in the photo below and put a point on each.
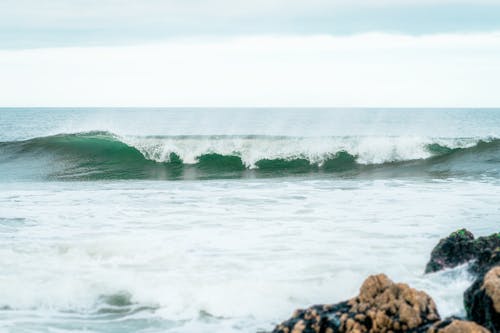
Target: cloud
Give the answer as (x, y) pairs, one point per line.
(373, 69)
(60, 12)
(45, 23)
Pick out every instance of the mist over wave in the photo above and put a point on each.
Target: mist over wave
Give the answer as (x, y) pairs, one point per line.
(104, 155)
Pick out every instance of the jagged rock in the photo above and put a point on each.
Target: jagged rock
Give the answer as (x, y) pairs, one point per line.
(382, 306)
(482, 300)
(456, 249)
(460, 247)
(456, 326)
(487, 259)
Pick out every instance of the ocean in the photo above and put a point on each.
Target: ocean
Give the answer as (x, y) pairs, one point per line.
(228, 219)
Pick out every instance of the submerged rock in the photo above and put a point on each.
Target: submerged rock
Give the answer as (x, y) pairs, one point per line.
(460, 247)
(482, 300)
(381, 306)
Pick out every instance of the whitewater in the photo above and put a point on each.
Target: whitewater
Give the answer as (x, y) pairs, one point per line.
(226, 220)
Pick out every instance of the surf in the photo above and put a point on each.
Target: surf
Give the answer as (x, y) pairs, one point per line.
(99, 155)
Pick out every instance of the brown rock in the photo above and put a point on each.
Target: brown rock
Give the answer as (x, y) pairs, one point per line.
(409, 308)
(482, 300)
(492, 287)
(381, 307)
(457, 326)
(299, 327)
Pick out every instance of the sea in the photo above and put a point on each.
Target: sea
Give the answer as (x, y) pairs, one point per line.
(199, 220)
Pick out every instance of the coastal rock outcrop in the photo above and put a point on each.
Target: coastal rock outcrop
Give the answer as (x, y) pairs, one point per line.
(460, 247)
(482, 300)
(456, 326)
(381, 306)
(487, 259)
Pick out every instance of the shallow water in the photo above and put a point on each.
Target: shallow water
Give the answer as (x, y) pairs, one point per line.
(233, 253)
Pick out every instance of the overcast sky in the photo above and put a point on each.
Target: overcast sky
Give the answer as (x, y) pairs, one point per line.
(250, 53)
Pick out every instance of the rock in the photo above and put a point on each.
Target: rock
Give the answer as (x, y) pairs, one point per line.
(482, 300)
(456, 326)
(487, 258)
(461, 247)
(492, 288)
(479, 299)
(382, 306)
(456, 249)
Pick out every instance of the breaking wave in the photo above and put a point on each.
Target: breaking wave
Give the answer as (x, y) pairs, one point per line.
(104, 155)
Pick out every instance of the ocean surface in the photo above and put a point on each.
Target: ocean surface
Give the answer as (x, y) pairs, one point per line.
(226, 220)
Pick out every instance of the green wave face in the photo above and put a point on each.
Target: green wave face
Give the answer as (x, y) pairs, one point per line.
(102, 155)
(89, 156)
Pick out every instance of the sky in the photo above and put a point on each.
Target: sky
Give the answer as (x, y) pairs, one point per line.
(290, 53)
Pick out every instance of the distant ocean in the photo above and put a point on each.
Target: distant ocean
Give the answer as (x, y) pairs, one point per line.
(226, 220)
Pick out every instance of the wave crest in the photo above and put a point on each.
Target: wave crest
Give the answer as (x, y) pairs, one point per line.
(104, 155)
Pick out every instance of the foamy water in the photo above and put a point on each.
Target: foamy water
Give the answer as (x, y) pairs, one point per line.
(227, 255)
(368, 150)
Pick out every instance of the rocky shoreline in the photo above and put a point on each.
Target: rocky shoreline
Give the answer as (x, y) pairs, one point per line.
(384, 306)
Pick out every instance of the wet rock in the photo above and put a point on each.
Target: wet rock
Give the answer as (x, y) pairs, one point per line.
(461, 247)
(456, 249)
(456, 326)
(482, 300)
(487, 258)
(381, 306)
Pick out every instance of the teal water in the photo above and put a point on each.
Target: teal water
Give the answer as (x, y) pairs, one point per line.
(96, 144)
(226, 220)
